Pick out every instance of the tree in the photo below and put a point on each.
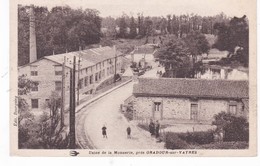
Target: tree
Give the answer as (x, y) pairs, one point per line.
(235, 128)
(234, 37)
(23, 35)
(122, 27)
(133, 27)
(173, 55)
(61, 29)
(197, 44)
(25, 117)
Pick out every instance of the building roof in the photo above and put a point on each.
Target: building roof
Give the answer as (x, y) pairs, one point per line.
(97, 55)
(198, 88)
(87, 58)
(59, 58)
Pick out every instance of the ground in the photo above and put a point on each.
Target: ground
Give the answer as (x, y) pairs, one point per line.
(107, 112)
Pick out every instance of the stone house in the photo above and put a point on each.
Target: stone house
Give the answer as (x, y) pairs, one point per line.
(195, 100)
(96, 66)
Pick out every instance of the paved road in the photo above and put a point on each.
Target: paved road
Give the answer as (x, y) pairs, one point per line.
(106, 111)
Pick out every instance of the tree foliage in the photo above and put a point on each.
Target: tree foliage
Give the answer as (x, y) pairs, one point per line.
(234, 37)
(59, 30)
(235, 128)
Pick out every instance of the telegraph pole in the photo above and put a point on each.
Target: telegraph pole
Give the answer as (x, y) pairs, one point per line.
(72, 106)
(115, 64)
(62, 94)
(78, 81)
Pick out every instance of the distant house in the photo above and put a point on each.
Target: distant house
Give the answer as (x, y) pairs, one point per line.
(96, 66)
(143, 55)
(189, 99)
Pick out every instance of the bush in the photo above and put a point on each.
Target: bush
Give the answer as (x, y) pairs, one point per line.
(224, 145)
(205, 137)
(172, 141)
(235, 128)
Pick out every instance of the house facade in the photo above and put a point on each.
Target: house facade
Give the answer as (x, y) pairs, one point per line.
(144, 56)
(93, 67)
(194, 100)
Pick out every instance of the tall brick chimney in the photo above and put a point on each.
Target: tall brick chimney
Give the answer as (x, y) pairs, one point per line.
(33, 52)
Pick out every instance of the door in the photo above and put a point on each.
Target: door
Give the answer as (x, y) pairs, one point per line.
(194, 112)
(157, 112)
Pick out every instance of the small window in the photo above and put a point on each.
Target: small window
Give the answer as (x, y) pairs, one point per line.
(233, 109)
(57, 85)
(86, 81)
(80, 83)
(35, 86)
(35, 103)
(157, 106)
(91, 79)
(96, 77)
(58, 70)
(107, 71)
(34, 71)
(86, 70)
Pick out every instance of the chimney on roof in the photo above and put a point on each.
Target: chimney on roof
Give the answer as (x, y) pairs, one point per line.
(33, 52)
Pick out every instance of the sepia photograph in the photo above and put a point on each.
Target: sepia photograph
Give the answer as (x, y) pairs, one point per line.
(140, 78)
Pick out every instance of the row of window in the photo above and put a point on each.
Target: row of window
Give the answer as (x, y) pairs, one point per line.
(194, 108)
(35, 86)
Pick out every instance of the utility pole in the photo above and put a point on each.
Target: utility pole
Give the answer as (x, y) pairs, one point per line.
(72, 106)
(62, 94)
(78, 81)
(115, 64)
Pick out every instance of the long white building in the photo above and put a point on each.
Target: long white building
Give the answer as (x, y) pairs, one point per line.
(96, 67)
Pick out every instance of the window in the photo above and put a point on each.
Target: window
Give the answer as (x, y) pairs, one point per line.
(100, 65)
(58, 70)
(233, 109)
(86, 70)
(103, 63)
(35, 103)
(47, 100)
(99, 75)
(57, 85)
(96, 77)
(108, 71)
(103, 73)
(86, 81)
(96, 66)
(80, 83)
(157, 106)
(35, 86)
(34, 71)
(91, 79)
(194, 111)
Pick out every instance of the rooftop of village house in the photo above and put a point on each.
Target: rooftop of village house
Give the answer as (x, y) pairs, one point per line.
(198, 88)
(87, 57)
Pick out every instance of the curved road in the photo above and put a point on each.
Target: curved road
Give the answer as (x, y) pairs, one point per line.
(106, 111)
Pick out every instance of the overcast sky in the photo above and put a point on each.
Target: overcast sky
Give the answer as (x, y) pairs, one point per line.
(115, 8)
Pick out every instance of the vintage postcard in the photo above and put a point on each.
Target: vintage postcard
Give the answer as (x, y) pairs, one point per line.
(133, 78)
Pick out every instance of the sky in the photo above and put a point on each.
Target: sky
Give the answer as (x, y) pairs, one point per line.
(115, 8)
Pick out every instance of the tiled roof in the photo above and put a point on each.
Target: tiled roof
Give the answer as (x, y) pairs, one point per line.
(97, 55)
(59, 58)
(88, 57)
(201, 88)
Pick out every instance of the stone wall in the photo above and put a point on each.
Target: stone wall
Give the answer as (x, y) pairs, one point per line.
(180, 108)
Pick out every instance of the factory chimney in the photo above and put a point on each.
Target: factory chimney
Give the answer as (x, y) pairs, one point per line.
(33, 52)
